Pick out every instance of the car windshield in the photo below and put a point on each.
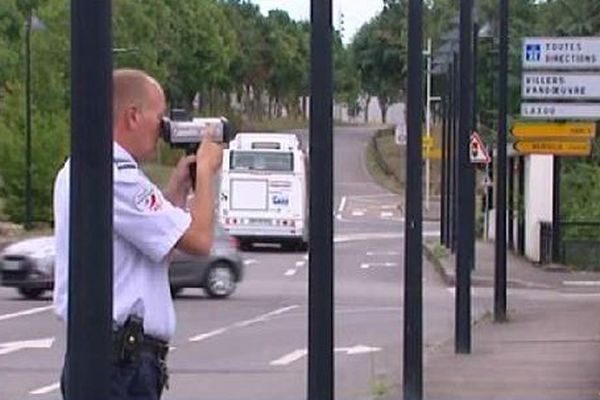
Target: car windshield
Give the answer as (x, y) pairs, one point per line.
(262, 161)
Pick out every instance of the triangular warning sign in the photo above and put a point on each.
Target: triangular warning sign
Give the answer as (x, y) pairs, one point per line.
(477, 151)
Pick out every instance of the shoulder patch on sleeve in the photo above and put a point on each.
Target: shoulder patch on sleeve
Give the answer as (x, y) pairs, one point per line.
(148, 199)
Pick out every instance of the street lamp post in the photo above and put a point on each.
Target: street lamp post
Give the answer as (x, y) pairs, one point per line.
(28, 199)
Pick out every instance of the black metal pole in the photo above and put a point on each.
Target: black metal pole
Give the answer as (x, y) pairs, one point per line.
(556, 200)
(500, 253)
(320, 280)
(449, 159)
(475, 71)
(521, 207)
(443, 189)
(28, 196)
(89, 331)
(413, 242)
(455, 164)
(465, 248)
(511, 203)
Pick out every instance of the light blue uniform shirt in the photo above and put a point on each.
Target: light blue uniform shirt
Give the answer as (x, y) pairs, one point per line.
(146, 227)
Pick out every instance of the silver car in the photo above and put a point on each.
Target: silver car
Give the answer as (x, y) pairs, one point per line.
(28, 266)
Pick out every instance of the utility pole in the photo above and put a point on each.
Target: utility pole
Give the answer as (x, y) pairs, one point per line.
(465, 254)
(413, 242)
(500, 254)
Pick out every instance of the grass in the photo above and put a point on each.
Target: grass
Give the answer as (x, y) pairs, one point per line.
(387, 181)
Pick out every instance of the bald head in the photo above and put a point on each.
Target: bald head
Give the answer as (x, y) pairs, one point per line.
(132, 87)
(138, 108)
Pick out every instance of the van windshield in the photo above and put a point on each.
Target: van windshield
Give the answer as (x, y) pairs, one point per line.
(262, 161)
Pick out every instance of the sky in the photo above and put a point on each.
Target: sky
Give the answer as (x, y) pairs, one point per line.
(355, 12)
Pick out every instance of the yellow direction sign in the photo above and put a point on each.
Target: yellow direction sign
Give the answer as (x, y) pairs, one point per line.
(575, 130)
(428, 142)
(564, 148)
(432, 153)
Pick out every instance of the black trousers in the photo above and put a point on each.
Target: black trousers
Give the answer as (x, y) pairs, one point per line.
(138, 380)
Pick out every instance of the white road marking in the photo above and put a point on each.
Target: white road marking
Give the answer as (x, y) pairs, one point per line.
(301, 353)
(386, 214)
(352, 237)
(382, 253)
(300, 263)
(265, 317)
(389, 207)
(31, 311)
(381, 264)
(250, 262)
(581, 283)
(290, 358)
(207, 335)
(46, 389)
(342, 205)
(11, 347)
(357, 213)
(260, 318)
(306, 257)
(290, 272)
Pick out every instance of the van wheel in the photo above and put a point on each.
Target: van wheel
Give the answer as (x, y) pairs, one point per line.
(220, 280)
(31, 293)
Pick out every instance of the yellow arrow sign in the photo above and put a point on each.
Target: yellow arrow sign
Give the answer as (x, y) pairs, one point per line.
(529, 130)
(565, 148)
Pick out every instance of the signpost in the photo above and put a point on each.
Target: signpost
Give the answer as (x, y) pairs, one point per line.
(562, 148)
(536, 130)
(477, 152)
(561, 53)
(569, 111)
(560, 85)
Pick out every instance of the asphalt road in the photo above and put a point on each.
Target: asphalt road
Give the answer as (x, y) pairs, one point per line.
(253, 345)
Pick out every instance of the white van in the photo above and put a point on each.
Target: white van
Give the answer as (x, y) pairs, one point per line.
(263, 195)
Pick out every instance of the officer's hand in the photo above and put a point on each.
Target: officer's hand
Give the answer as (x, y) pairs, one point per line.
(209, 155)
(180, 178)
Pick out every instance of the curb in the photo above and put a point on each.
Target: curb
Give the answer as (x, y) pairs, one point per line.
(450, 278)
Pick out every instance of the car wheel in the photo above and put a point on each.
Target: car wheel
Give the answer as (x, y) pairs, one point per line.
(220, 280)
(31, 293)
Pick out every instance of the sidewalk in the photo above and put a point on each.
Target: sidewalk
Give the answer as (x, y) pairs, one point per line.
(549, 348)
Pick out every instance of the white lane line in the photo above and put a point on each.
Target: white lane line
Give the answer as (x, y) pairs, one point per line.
(300, 263)
(306, 257)
(290, 272)
(207, 335)
(250, 262)
(357, 213)
(260, 318)
(11, 347)
(31, 311)
(290, 357)
(368, 236)
(581, 283)
(389, 207)
(386, 214)
(46, 389)
(265, 317)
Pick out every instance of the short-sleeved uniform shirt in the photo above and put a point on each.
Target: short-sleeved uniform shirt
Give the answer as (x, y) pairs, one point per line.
(146, 227)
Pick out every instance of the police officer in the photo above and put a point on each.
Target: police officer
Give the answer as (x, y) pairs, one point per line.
(148, 224)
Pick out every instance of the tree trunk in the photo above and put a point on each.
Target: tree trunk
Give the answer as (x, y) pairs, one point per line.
(383, 105)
